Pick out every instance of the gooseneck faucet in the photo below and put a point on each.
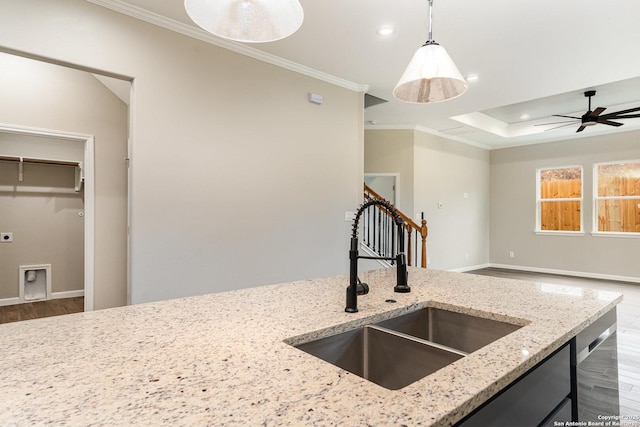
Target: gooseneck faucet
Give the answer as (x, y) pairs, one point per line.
(356, 287)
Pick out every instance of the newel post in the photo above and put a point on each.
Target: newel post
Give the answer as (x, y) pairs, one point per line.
(423, 232)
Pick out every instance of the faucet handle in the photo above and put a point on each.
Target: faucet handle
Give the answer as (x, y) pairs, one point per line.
(362, 288)
(352, 298)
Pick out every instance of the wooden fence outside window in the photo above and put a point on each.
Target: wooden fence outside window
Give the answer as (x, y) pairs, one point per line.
(560, 215)
(622, 212)
(619, 211)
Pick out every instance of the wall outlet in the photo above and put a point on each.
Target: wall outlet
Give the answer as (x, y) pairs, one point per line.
(6, 237)
(349, 216)
(512, 254)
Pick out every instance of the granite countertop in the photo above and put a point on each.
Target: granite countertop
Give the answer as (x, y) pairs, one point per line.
(222, 359)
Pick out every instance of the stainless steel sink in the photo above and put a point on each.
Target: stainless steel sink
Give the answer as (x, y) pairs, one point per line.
(460, 331)
(399, 351)
(387, 358)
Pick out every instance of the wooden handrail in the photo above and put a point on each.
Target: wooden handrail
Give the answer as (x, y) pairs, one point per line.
(375, 195)
(410, 226)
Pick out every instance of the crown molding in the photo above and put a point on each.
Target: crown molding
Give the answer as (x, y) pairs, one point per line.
(243, 49)
(424, 129)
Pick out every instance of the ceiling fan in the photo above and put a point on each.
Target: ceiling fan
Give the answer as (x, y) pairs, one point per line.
(591, 118)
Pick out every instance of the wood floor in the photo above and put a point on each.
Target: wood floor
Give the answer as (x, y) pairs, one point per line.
(628, 327)
(36, 310)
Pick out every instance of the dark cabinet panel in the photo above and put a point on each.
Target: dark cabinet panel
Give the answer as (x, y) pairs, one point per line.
(530, 400)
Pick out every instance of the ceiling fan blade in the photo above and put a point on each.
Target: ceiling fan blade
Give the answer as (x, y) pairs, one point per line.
(610, 123)
(629, 116)
(617, 113)
(558, 127)
(581, 128)
(569, 117)
(555, 123)
(597, 111)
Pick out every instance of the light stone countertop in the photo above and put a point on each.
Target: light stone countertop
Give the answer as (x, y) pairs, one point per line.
(221, 359)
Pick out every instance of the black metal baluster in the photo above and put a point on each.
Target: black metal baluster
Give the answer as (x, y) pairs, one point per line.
(393, 241)
(365, 229)
(374, 231)
(380, 233)
(385, 250)
(370, 228)
(379, 229)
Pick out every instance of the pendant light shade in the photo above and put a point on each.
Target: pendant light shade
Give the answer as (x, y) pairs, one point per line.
(431, 76)
(253, 21)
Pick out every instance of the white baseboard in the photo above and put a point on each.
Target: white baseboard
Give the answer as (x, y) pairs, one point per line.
(566, 272)
(470, 268)
(54, 295)
(9, 301)
(67, 294)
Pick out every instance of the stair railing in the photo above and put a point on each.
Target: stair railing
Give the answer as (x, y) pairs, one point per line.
(379, 232)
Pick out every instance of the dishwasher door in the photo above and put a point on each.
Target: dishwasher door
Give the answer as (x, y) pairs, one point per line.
(596, 365)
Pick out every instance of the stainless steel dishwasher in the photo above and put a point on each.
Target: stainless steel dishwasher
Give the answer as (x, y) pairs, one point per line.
(595, 360)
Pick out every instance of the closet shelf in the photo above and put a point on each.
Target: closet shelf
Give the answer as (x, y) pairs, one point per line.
(22, 160)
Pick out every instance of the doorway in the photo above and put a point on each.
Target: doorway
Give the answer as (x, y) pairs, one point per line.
(92, 110)
(385, 184)
(33, 151)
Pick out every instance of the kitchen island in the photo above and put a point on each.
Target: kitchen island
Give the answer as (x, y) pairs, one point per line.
(227, 359)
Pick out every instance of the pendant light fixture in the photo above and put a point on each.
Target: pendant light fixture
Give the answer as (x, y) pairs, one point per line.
(431, 76)
(253, 21)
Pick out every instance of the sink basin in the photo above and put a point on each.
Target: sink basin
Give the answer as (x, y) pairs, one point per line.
(389, 359)
(460, 331)
(399, 351)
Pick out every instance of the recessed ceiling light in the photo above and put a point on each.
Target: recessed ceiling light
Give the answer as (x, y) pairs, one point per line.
(472, 78)
(385, 31)
(524, 116)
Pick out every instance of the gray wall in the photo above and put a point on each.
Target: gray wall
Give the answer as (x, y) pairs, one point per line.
(457, 176)
(513, 208)
(42, 213)
(391, 151)
(41, 95)
(237, 180)
(441, 171)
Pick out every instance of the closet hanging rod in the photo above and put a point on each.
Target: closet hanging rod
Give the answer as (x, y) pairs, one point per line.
(21, 160)
(40, 161)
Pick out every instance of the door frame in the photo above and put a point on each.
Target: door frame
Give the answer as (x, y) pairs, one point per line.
(89, 196)
(396, 185)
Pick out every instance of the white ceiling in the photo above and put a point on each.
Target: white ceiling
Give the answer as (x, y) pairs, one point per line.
(534, 57)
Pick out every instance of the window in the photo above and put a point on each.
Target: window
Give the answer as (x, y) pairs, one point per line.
(617, 197)
(560, 199)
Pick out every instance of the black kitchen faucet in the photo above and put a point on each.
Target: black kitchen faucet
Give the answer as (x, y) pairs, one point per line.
(356, 287)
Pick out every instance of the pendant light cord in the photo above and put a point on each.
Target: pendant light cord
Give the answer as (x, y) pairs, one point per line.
(430, 41)
(431, 75)
(430, 21)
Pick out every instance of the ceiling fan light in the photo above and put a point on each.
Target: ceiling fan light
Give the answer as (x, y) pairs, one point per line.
(431, 76)
(252, 21)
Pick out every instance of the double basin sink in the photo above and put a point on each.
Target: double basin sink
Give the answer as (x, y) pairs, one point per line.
(396, 352)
